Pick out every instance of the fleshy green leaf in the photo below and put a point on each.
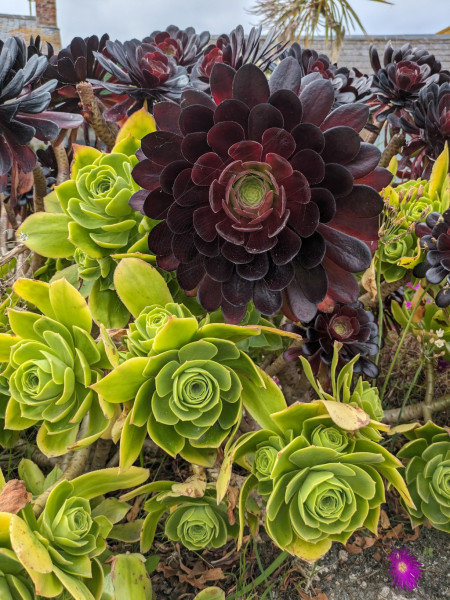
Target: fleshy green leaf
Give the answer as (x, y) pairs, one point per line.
(47, 234)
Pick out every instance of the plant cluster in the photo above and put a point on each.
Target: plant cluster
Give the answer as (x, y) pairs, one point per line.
(222, 219)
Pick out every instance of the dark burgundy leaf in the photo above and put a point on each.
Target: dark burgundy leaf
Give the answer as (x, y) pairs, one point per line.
(219, 268)
(308, 136)
(166, 116)
(378, 179)
(326, 203)
(337, 179)
(236, 254)
(279, 276)
(300, 307)
(365, 161)
(191, 97)
(167, 262)
(157, 203)
(342, 144)
(237, 291)
(183, 247)
(209, 293)
(267, 301)
(258, 241)
(179, 219)
(196, 118)
(317, 98)
(364, 229)
(233, 314)
(194, 145)
(221, 82)
(190, 274)
(207, 168)
(261, 118)
(278, 141)
(313, 251)
(297, 188)
(256, 269)
(346, 251)
(281, 168)
(160, 239)
(232, 110)
(313, 282)
(304, 218)
(350, 115)
(287, 76)
(162, 147)
(342, 285)
(250, 85)
(362, 202)
(288, 246)
(289, 105)
(146, 174)
(228, 233)
(205, 223)
(170, 173)
(310, 164)
(210, 249)
(223, 135)
(246, 151)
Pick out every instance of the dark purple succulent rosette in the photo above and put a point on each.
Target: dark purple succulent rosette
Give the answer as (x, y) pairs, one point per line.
(435, 237)
(23, 104)
(185, 46)
(236, 50)
(142, 72)
(349, 85)
(72, 65)
(262, 192)
(429, 128)
(349, 324)
(405, 72)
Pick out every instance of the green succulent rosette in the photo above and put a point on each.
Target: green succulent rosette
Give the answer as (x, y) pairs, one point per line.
(406, 204)
(144, 331)
(7, 437)
(320, 496)
(188, 395)
(57, 555)
(69, 530)
(52, 361)
(89, 219)
(427, 472)
(196, 520)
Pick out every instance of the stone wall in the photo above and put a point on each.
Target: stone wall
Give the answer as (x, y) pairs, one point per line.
(43, 24)
(46, 12)
(355, 50)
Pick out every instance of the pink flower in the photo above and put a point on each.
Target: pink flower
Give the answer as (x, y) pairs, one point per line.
(405, 569)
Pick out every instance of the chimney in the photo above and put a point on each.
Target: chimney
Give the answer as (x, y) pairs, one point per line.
(46, 12)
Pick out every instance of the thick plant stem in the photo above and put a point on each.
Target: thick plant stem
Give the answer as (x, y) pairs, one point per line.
(385, 289)
(12, 253)
(106, 132)
(414, 411)
(429, 391)
(279, 363)
(101, 454)
(63, 163)
(39, 193)
(370, 136)
(392, 149)
(261, 578)
(75, 468)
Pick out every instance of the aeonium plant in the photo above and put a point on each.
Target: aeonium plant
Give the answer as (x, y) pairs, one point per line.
(196, 519)
(58, 553)
(51, 360)
(426, 457)
(188, 391)
(89, 219)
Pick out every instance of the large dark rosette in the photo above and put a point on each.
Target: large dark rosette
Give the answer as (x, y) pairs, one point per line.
(351, 326)
(143, 72)
(405, 72)
(236, 50)
(183, 45)
(263, 194)
(350, 85)
(435, 237)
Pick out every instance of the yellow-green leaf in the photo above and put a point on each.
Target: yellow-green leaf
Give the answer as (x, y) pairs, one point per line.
(47, 234)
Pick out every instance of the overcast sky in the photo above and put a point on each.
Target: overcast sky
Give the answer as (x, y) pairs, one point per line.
(125, 19)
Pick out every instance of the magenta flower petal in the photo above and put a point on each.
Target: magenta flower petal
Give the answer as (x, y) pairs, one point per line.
(406, 571)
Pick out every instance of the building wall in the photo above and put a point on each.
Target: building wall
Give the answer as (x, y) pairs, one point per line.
(43, 24)
(355, 50)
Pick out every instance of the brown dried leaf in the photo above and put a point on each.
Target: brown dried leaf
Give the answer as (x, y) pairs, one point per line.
(193, 487)
(134, 510)
(232, 499)
(14, 496)
(385, 523)
(369, 281)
